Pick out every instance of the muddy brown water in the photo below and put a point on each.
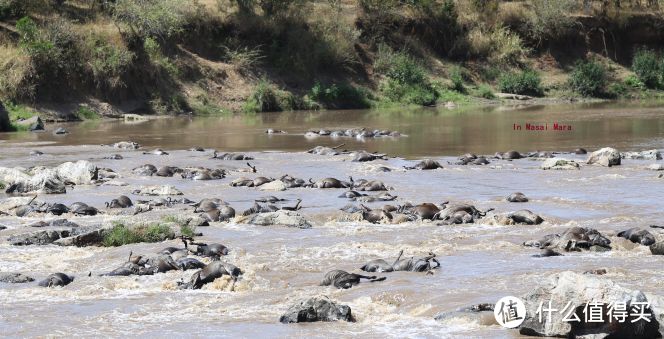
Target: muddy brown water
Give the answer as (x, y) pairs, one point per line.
(480, 262)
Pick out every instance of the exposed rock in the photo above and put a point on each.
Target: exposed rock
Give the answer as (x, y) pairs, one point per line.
(48, 180)
(652, 154)
(197, 221)
(276, 185)
(115, 183)
(91, 236)
(559, 164)
(281, 217)
(60, 131)
(126, 145)
(656, 167)
(517, 197)
(38, 238)
(5, 124)
(316, 309)
(15, 278)
(511, 96)
(32, 124)
(157, 190)
(580, 289)
(606, 156)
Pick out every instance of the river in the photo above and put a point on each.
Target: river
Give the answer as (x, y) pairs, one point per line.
(481, 262)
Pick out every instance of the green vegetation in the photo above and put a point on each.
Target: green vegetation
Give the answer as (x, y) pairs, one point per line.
(85, 113)
(649, 68)
(218, 56)
(122, 234)
(588, 78)
(526, 82)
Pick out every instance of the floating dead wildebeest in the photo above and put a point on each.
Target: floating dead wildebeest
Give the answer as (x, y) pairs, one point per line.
(375, 215)
(208, 204)
(517, 197)
(209, 273)
(573, 239)
(221, 213)
(472, 159)
(324, 150)
(145, 170)
(113, 157)
(459, 214)
(121, 202)
(525, 217)
(139, 265)
(509, 155)
(639, 236)
(201, 173)
(426, 164)
(258, 181)
(157, 151)
(56, 280)
(343, 280)
(413, 264)
(267, 208)
(292, 182)
(81, 208)
(363, 156)
(329, 183)
(367, 185)
(168, 171)
(230, 156)
(373, 198)
(274, 131)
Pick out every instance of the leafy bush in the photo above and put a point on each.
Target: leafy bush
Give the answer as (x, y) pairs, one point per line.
(158, 19)
(264, 99)
(12, 9)
(456, 76)
(16, 73)
(243, 58)
(588, 78)
(617, 90)
(527, 82)
(107, 62)
(340, 96)
(500, 45)
(484, 91)
(551, 19)
(634, 82)
(416, 94)
(399, 66)
(85, 113)
(647, 66)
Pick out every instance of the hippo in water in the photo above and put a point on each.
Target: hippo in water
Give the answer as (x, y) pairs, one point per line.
(426, 164)
(121, 202)
(209, 273)
(343, 280)
(56, 279)
(412, 265)
(639, 236)
(517, 197)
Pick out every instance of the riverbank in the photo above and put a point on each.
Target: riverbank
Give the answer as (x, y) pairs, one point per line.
(75, 59)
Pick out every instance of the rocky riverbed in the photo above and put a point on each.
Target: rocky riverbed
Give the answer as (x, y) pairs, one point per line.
(284, 248)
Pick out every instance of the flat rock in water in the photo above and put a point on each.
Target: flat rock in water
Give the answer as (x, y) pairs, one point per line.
(90, 236)
(283, 218)
(656, 167)
(158, 190)
(126, 145)
(316, 309)
(276, 185)
(38, 238)
(15, 278)
(606, 156)
(559, 164)
(652, 154)
(33, 124)
(579, 290)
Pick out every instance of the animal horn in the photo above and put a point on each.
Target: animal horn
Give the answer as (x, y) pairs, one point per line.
(398, 257)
